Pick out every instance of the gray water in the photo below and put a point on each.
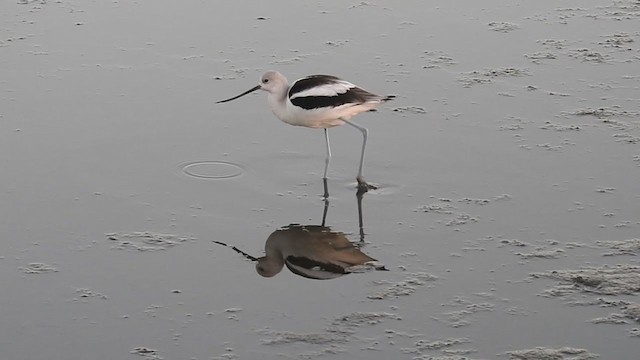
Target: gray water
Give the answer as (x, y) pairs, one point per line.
(507, 212)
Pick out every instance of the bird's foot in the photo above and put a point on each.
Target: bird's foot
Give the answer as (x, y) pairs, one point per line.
(363, 186)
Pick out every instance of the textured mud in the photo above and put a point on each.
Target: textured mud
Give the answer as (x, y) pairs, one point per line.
(507, 213)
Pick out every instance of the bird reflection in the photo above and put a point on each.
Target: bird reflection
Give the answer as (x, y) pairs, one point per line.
(313, 251)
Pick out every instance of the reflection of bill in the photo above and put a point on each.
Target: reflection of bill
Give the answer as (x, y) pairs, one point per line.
(313, 251)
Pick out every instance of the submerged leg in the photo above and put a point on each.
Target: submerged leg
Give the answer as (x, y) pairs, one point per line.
(326, 164)
(326, 189)
(362, 185)
(325, 210)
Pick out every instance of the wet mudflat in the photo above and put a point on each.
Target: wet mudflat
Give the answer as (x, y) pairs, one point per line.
(508, 213)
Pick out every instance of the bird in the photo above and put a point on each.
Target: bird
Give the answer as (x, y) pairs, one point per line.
(319, 102)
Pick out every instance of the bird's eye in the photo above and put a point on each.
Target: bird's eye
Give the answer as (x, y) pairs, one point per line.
(264, 81)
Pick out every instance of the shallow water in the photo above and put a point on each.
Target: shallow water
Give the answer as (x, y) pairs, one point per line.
(508, 165)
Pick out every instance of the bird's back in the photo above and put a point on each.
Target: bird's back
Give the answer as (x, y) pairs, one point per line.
(322, 91)
(320, 101)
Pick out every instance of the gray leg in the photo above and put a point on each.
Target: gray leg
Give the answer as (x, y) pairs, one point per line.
(328, 158)
(361, 183)
(326, 165)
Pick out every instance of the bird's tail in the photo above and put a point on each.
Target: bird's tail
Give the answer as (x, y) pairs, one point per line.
(387, 98)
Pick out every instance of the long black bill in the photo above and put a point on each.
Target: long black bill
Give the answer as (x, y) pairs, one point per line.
(241, 95)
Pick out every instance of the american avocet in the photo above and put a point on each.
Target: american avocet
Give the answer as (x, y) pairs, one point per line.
(318, 101)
